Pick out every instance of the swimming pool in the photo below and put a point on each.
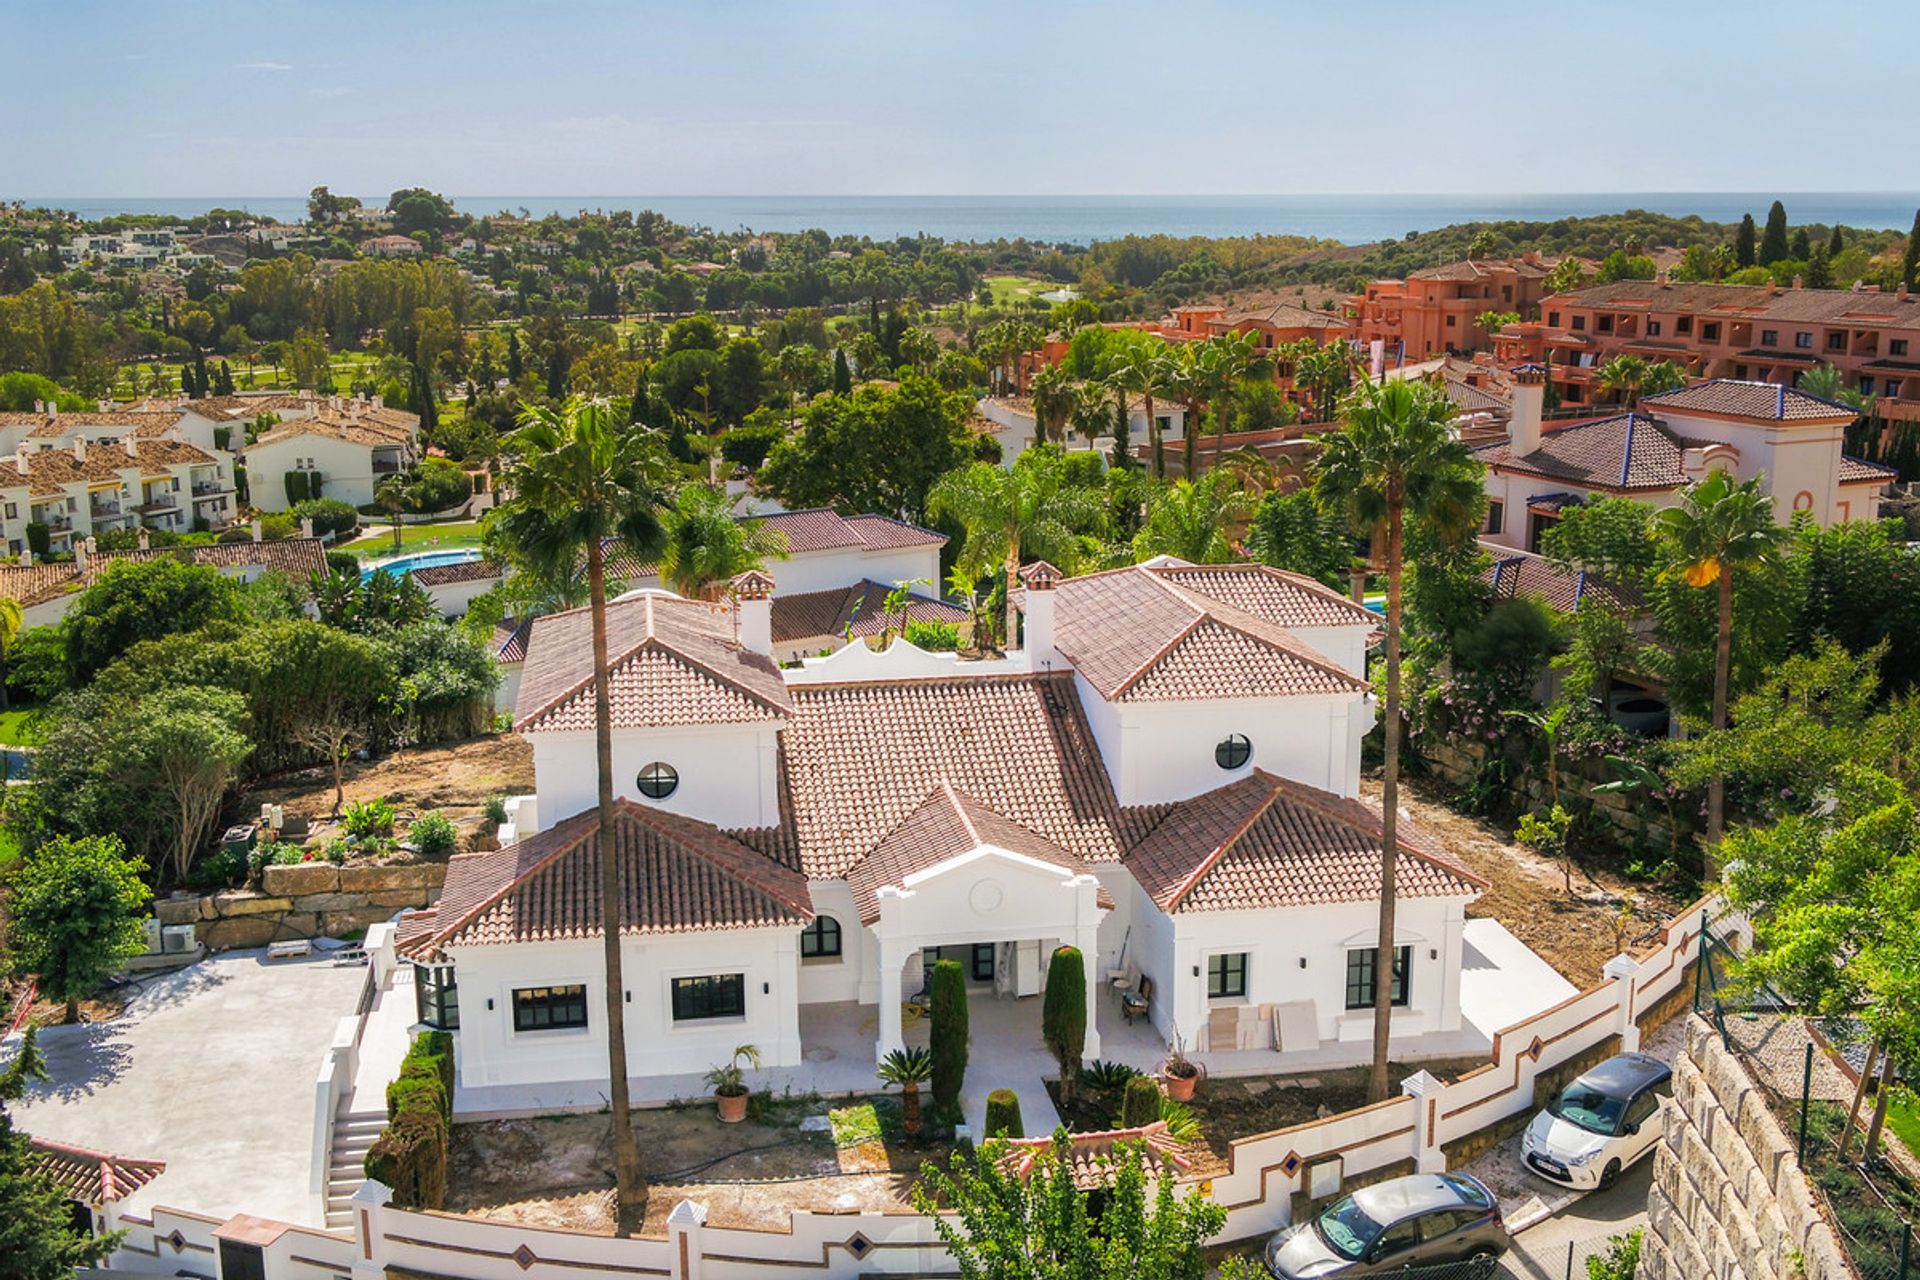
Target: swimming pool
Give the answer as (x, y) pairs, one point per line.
(421, 560)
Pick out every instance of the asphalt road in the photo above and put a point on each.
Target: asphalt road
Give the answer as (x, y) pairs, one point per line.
(1540, 1252)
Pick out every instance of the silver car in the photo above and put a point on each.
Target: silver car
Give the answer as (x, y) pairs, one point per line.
(1421, 1220)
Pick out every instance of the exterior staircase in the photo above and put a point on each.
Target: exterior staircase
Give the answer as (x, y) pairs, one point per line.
(353, 1134)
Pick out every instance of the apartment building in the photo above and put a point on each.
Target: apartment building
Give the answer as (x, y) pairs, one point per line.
(1746, 333)
(77, 489)
(1434, 311)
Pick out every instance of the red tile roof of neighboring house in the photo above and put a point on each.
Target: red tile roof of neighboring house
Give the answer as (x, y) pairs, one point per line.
(884, 533)
(859, 610)
(1283, 315)
(1091, 1155)
(671, 662)
(1629, 451)
(441, 575)
(1861, 306)
(1482, 268)
(96, 1177)
(804, 532)
(945, 826)
(1859, 471)
(677, 875)
(1765, 400)
(1147, 633)
(1520, 573)
(859, 758)
(1265, 842)
(510, 640)
(298, 558)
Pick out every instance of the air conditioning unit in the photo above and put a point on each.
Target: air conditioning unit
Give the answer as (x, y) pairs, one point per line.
(150, 927)
(177, 939)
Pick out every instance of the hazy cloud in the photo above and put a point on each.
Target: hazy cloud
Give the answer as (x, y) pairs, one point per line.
(263, 66)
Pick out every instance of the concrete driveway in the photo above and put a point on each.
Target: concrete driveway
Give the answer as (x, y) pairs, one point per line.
(1541, 1252)
(210, 1068)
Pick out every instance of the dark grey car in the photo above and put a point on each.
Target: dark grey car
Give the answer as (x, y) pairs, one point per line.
(1420, 1220)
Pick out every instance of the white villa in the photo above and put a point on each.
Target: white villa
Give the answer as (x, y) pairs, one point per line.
(350, 445)
(1791, 440)
(1011, 420)
(1166, 776)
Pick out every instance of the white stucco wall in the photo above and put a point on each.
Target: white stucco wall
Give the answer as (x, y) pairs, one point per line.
(346, 468)
(728, 773)
(491, 1052)
(1345, 647)
(452, 599)
(851, 976)
(1157, 752)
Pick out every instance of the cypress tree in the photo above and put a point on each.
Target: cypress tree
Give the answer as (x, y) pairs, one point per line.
(1773, 241)
(1819, 269)
(1802, 245)
(842, 376)
(1140, 1104)
(1835, 244)
(638, 410)
(873, 315)
(1063, 1015)
(1122, 435)
(1743, 246)
(1003, 1115)
(515, 367)
(224, 386)
(947, 1035)
(1911, 263)
(557, 374)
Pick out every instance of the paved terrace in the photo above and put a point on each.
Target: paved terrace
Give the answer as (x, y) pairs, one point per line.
(210, 1068)
(1501, 982)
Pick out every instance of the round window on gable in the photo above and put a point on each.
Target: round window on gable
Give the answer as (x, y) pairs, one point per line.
(1232, 751)
(658, 780)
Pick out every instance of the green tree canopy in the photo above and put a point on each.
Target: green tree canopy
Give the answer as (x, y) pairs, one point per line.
(879, 449)
(143, 600)
(73, 915)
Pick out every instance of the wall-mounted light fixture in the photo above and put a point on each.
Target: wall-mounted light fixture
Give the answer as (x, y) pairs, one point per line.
(766, 988)
(1303, 962)
(1433, 953)
(1196, 971)
(489, 1004)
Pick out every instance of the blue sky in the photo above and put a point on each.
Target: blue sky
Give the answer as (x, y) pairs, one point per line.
(845, 97)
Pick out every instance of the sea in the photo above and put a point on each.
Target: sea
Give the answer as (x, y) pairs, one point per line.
(1351, 219)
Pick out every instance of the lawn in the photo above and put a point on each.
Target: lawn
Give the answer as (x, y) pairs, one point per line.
(1017, 290)
(1903, 1117)
(419, 537)
(15, 730)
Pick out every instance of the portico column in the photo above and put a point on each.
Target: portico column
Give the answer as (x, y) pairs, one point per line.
(892, 960)
(1086, 938)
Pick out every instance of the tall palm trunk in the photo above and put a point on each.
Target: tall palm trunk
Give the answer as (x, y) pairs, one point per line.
(1722, 666)
(1189, 434)
(1153, 439)
(1384, 952)
(626, 1157)
(1013, 581)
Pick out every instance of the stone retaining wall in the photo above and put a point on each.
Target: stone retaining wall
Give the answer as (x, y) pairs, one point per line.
(1632, 820)
(1729, 1199)
(304, 900)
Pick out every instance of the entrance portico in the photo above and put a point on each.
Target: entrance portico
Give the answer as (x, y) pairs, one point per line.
(956, 874)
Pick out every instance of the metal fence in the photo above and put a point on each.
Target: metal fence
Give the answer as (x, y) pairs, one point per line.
(1870, 1204)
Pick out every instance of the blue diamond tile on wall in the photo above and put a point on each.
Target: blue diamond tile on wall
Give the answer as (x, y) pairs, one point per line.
(524, 1257)
(859, 1246)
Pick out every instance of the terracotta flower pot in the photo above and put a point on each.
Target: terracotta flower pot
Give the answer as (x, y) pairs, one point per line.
(733, 1106)
(1179, 1088)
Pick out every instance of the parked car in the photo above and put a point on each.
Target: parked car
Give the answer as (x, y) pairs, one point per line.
(1599, 1124)
(1421, 1220)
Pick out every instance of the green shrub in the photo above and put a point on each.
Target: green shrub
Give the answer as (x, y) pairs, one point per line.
(278, 527)
(222, 869)
(1104, 1075)
(329, 516)
(368, 818)
(947, 1033)
(434, 834)
(439, 484)
(1140, 1104)
(410, 1156)
(935, 637)
(416, 1089)
(343, 562)
(297, 490)
(1003, 1115)
(748, 446)
(496, 810)
(270, 853)
(39, 538)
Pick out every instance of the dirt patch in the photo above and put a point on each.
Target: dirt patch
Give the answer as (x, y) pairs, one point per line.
(557, 1171)
(454, 778)
(1527, 893)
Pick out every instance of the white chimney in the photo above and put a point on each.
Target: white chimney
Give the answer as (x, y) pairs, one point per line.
(132, 446)
(39, 406)
(1528, 403)
(753, 605)
(80, 550)
(1040, 579)
(53, 410)
(379, 402)
(306, 526)
(20, 463)
(79, 449)
(145, 539)
(105, 405)
(256, 528)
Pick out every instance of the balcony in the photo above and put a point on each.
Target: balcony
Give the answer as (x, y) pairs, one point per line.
(157, 502)
(211, 489)
(387, 466)
(104, 509)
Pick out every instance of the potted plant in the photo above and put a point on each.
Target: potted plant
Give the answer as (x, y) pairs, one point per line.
(1179, 1072)
(909, 1068)
(729, 1083)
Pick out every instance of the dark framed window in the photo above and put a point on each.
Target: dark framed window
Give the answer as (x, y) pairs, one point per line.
(242, 1261)
(549, 1008)
(1769, 337)
(436, 999)
(1803, 340)
(1453, 322)
(1233, 751)
(658, 780)
(1653, 328)
(1683, 324)
(1496, 516)
(1896, 346)
(1710, 332)
(1553, 319)
(1579, 324)
(1227, 975)
(1836, 342)
(1605, 324)
(1361, 973)
(821, 938)
(983, 953)
(715, 995)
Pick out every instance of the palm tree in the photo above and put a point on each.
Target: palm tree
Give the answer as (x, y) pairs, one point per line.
(796, 365)
(583, 484)
(909, 1068)
(1663, 375)
(1629, 377)
(1194, 519)
(1143, 368)
(394, 496)
(1054, 397)
(1190, 381)
(1235, 360)
(707, 544)
(1028, 507)
(1721, 527)
(1396, 460)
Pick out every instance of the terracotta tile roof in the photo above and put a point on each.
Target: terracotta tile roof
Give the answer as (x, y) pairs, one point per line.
(1520, 573)
(945, 826)
(1283, 315)
(815, 529)
(52, 427)
(1483, 268)
(1137, 634)
(1859, 471)
(859, 758)
(1091, 1155)
(510, 640)
(51, 469)
(361, 429)
(1276, 595)
(677, 875)
(298, 558)
(672, 661)
(1266, 842)
(1472, 399)
(95, 1177)
(884, 533)
(1626, 452)
(860, 608)
(440, 575)
(1814, 306)
(1767, 400)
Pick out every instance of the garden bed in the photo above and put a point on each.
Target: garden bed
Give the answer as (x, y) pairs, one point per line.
(557, 1171)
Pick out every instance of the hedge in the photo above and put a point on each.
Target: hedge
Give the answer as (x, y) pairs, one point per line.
(410, 1155)
(297, 491)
